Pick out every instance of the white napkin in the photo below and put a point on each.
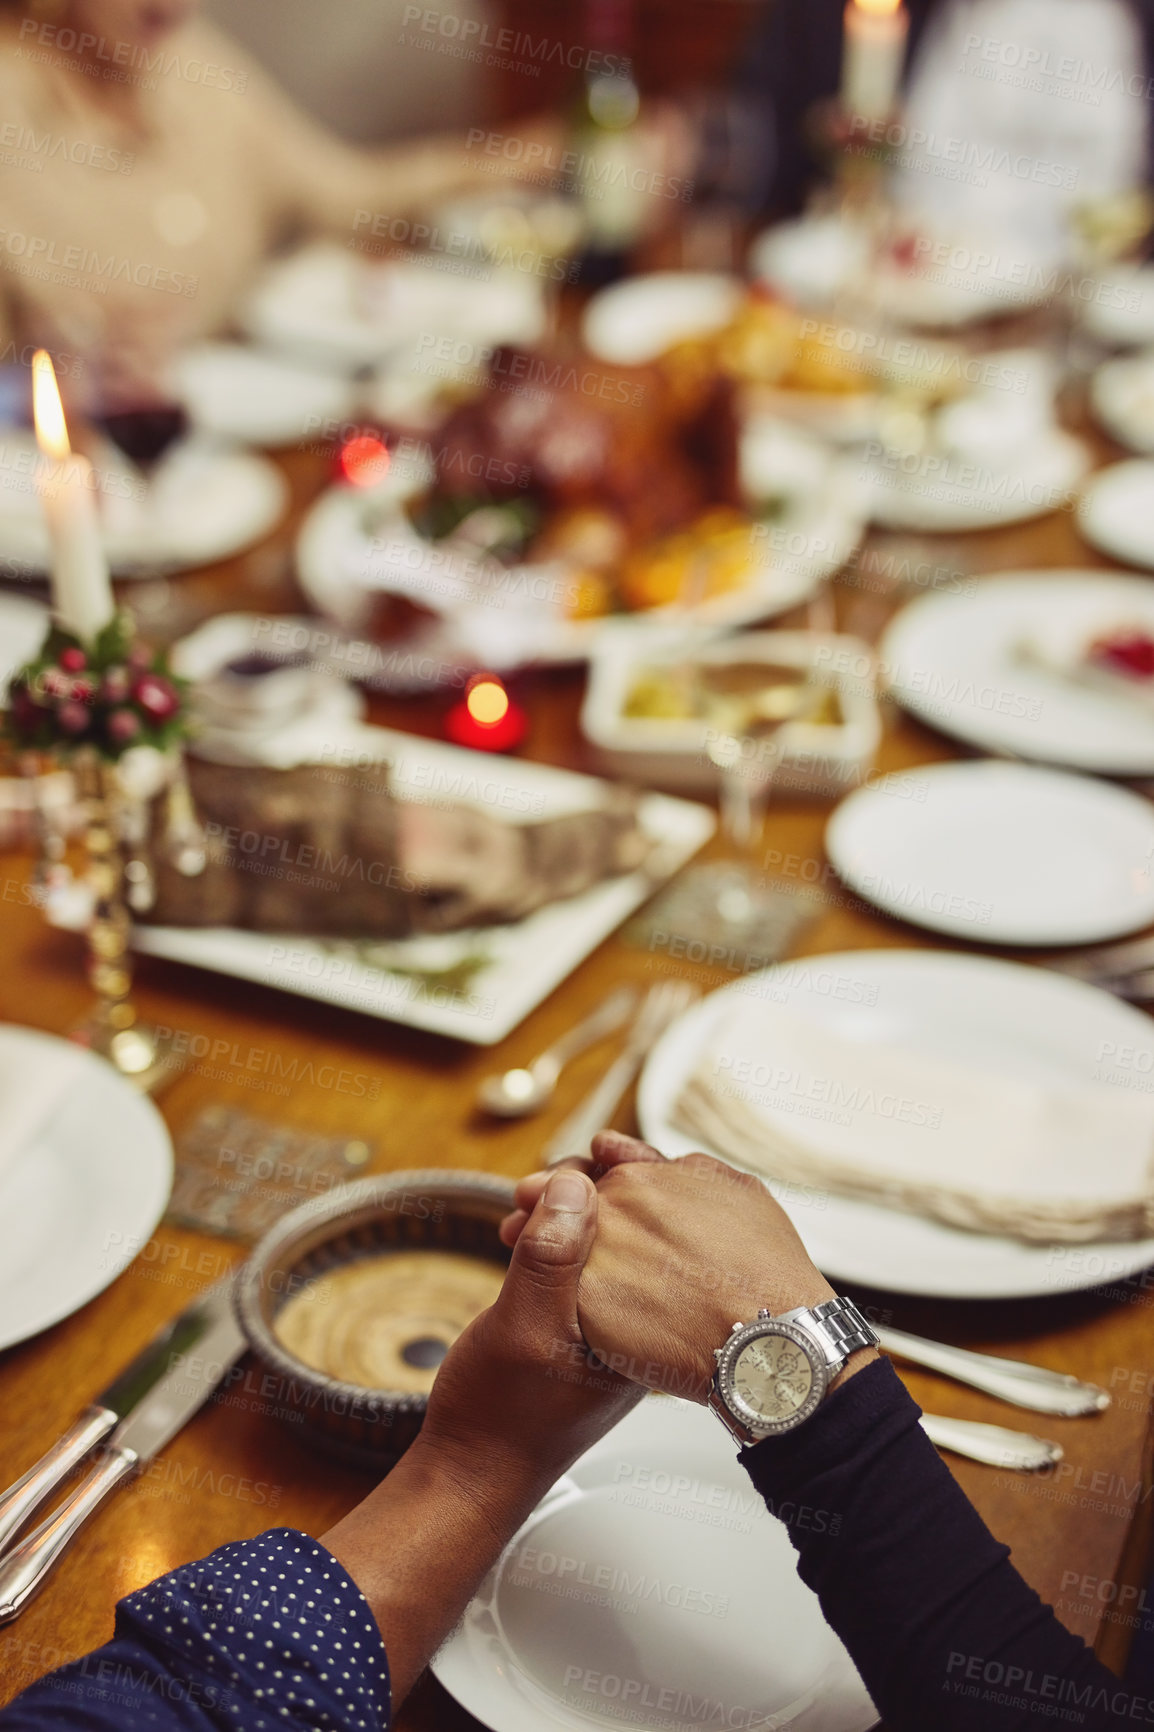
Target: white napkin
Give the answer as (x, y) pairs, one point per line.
(33, 1082)
(997, 1154)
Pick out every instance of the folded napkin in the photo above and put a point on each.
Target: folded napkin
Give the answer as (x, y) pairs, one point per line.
(1070, 1162)
(34, 1079)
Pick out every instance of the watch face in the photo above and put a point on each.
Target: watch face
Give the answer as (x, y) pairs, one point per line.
(771, 1382)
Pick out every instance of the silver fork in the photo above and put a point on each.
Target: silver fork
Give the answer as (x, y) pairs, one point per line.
(661, 1005)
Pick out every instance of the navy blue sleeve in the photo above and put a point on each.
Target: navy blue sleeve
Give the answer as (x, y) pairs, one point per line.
(267, 1633)
(942, 1628)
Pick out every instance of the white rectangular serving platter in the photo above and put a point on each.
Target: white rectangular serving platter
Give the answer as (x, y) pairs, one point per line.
(524, 961)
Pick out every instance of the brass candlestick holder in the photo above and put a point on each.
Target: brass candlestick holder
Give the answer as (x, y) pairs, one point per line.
(112, 712)
(113, 1028)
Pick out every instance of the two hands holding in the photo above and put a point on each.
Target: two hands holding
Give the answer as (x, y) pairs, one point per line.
(628, 1271)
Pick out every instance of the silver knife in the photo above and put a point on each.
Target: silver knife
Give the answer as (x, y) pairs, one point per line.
(1012, 1380)
(182, 1387)
(32, 1489)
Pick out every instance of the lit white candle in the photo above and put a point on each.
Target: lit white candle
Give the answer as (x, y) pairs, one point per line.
(82, 599)
(873, 50)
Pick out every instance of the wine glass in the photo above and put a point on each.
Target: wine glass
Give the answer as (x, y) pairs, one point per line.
(728, 905)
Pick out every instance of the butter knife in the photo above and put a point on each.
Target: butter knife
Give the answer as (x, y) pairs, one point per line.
(104, 1414)
(1012, 1380)
(177, 1393)
(996, 1445)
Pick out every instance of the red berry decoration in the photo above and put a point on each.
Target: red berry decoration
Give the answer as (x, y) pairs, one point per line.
(116, 685)
(157, 697)
(1127, 652)
(123, 725)
(73, 718)
(111, 694)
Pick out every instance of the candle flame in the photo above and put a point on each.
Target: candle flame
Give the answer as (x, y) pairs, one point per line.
(878, 8)
(487, 702)
(47, 409)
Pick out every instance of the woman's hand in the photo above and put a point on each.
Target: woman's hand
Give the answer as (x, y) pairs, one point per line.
(684, 1250)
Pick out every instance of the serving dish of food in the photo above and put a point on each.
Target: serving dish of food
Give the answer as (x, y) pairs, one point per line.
(651, 707)
(568, 493)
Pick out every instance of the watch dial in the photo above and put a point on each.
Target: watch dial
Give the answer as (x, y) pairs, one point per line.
(773, 1377)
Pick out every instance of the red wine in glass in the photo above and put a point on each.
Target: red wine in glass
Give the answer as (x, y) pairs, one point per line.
(145, 433)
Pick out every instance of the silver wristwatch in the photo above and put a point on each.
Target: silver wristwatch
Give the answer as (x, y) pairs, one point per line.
(773, 1374)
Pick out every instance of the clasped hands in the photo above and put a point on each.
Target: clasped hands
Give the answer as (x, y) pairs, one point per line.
(628, 1271)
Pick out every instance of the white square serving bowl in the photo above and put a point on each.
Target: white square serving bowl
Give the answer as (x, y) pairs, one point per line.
(821, 760)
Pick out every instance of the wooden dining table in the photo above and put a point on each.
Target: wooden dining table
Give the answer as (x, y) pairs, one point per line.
(1079, 1534)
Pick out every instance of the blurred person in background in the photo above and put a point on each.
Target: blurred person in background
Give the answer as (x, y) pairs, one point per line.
(148, 165)
(1016, 113)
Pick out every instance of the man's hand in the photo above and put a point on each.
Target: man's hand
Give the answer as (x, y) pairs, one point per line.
(519, 1387)
(517, 1400)
(684, 1250)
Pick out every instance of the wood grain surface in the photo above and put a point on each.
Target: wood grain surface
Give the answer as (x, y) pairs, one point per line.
(234, 1470)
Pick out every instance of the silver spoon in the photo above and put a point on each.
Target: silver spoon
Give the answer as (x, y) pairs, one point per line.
(517, 1094)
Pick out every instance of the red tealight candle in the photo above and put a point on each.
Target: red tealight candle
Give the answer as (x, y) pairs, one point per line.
(487, 718)
(363, 461)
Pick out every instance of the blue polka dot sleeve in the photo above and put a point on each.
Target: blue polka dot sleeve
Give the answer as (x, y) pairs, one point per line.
(267, 1635)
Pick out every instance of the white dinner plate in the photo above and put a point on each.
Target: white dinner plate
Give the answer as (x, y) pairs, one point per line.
(1116, 511)
(984, 667)
(237, 392)
(205, 502)
(999, 853)
(813, 259)
(79, 1202)
(1122, 397)
(633, 322)
(23, 625)
(478, 985)
(1120, 311)
(940, 491)
(336, 307)
(1022, 1023)
(652, 1588)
